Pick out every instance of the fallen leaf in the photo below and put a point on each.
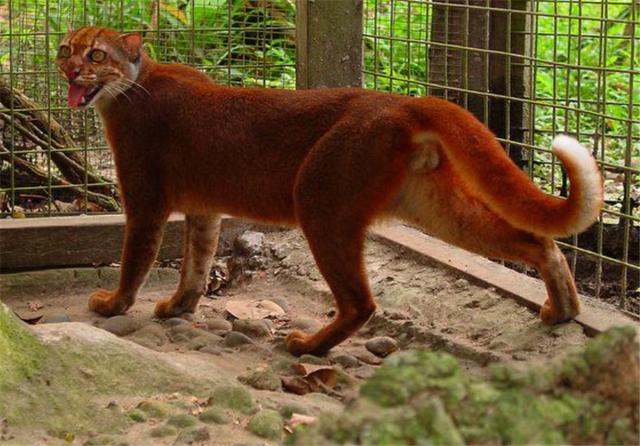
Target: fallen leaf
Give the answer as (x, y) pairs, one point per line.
(295, 384)
(259, 309)
(319, 377)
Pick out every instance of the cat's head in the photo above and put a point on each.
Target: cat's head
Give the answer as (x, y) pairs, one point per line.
(99, 64)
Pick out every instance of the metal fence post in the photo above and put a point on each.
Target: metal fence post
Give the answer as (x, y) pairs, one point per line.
(329, 43)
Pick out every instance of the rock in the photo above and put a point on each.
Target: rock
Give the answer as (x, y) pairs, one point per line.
(251, 327)
(137, 415)
(367, 357)
(181, 420)
(306, 325)
(120, 325)
(346, 360)
(461, 283)
(262, 378)
(234, 397)
(155, 409)
(204, 340)
(267, 424)
(174, 321)
(381, 346)
(151, 335)
(249, 243)
(214, 415)
(186, 330)
(236, 339)
(281, 302)
(281, 250)
(193, 435)
(163, 431)
(55, 318)
(210, 349)
(219, 326)
(311, 359)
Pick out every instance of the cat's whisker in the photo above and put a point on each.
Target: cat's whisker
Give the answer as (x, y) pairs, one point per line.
(134, 84)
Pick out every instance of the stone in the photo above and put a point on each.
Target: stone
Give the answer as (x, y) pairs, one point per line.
(174, 321)
(234, 397)
(186, 330)
(267, 424)
(367, 357)
(204, 340)
(55, 318)
(137, 415)
(262, 378)
(151, 335)
(120, 325)
(163, 431)
(182, 420)
(381, 346)
(249, 243)
(306, 325)
(345, 360)
(236, 339)
(219, 326)
(194, 435)
(210, 349)
(311, 359)
(214, 415)
(251, 327)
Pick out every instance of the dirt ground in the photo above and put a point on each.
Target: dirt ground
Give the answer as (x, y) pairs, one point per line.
(420, 306)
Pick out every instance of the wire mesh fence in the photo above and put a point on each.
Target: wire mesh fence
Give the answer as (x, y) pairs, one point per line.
(531, 70)
(528, 69)
(54, 159)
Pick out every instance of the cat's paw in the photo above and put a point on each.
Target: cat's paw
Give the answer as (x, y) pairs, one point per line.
(167, 308)
(108, 303)
(551, 315)
(297, 343)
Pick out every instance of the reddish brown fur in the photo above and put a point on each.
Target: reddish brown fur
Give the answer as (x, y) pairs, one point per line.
(330, 161)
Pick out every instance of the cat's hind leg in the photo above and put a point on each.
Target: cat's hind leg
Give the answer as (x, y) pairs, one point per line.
(441, 204)
(200, 243)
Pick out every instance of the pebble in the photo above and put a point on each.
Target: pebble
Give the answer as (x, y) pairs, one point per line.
(368, 358)
(311, 359)
(381, 346)
(55, 318)
(249, 243)
(120, 325)
(236, 339)
(251, 327)
(306, 325)
(205, 340)
(194, 435)
(210, 349)
(219, 326)
(172, 322)
(346, 360)
(151, 335)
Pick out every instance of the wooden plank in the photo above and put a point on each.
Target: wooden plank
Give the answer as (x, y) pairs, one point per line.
(528, 291)
(328, 43)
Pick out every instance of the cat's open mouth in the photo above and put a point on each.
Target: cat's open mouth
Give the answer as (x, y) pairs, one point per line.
(81, 95)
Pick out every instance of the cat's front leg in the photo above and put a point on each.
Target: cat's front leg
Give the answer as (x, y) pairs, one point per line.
(141, 243)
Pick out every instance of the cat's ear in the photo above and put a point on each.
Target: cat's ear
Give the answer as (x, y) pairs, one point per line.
(132, 43)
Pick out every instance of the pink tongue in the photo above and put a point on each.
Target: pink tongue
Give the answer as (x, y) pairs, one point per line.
(76, 93)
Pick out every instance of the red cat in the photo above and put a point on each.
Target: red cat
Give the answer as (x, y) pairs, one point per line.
(331, 161)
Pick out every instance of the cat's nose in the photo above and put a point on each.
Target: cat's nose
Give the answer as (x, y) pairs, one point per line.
(73, 73)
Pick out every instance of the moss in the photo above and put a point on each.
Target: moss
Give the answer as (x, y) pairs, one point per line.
(137, 415)
(214, 415)
(262, 378)
(182, 420)
(155, 409)
(234, 397)
(266, 424)
(590, 396)
(163, 431)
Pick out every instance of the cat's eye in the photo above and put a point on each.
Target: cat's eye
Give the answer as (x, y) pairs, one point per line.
(64, 52)
(97, 56)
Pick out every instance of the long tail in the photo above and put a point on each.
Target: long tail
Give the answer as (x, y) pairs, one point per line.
(480, 160)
